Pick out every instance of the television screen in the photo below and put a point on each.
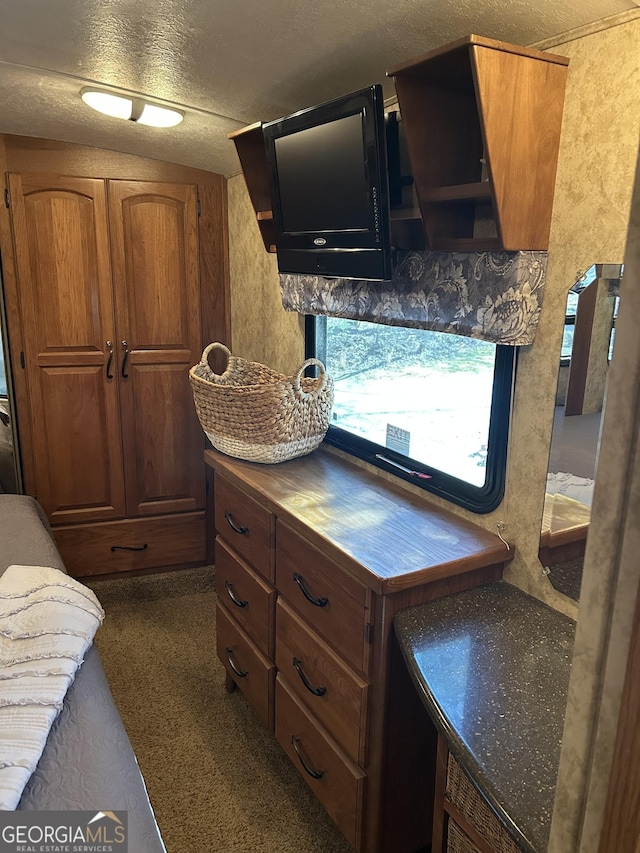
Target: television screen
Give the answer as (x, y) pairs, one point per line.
(317, 167)
(330, 188)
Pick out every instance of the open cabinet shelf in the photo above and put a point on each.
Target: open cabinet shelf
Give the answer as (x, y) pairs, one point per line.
(249, 144)
(482, 120)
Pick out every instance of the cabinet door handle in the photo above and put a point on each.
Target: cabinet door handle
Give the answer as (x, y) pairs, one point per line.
(110, 359)
(241, 673)
(125, 375)
(316, 774)
(239, 602)
(318, 602)
(236, 528)
(317, 691)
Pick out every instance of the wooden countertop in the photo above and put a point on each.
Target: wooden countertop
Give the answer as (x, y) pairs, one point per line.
(388, 538)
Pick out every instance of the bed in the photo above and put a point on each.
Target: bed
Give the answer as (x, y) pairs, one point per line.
(566, 517)
(88, 762)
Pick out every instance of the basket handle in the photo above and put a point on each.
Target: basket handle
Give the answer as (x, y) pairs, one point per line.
(209, 349)
(297, 376)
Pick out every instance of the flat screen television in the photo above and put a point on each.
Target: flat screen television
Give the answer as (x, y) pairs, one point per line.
(330, 191)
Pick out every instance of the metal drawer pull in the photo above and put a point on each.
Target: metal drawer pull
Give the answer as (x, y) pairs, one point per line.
(241, 530)
(319, 602)
(125, 345)
(317, 691)
(129, 547)
(241, 673)
(317, 774)
(239, 602)
(110, 359)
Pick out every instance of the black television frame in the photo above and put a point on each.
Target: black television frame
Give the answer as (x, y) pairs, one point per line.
(363, 252)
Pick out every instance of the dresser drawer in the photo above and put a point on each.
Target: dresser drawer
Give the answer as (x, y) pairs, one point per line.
(336, 781)
(332, 691)
(246, 665)
(246, 596)
(327, 598)
(246, 525)
(133, 543)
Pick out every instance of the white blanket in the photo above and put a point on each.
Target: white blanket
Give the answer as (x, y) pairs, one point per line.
(47, 623)
(578, 488)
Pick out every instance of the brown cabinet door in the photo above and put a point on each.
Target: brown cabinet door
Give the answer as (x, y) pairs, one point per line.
(154, 240)
(62, 256)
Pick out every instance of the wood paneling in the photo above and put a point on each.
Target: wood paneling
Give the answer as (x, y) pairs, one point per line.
(247, 597)
(370, 721)
(154, 244)
(132, 544)
(621, 827)
(340, 609)
(30, 154)
(246, 525)
(64, 279)
(482, 121)
(13, 335)
(46, 158)
(581, 347)
(522, 141)
(249, 142)
(357, 520)
(340, 786)
(340, 697)
(246, 666)
(214, 263)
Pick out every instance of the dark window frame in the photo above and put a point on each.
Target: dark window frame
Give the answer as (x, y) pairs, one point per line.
(476, 499)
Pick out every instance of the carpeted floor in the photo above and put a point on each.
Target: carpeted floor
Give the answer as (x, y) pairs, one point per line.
(217, 779)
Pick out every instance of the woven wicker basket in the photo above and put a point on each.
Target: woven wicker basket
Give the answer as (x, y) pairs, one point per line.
(251, 412)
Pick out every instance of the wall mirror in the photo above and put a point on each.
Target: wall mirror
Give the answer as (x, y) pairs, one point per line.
(587, 346)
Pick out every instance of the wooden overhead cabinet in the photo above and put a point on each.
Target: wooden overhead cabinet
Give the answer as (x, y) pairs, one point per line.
(482, 122)
(249, 143)
(111, 322)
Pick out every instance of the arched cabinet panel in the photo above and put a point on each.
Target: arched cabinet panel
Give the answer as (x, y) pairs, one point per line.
(154, 242)
(64, 275)
(110, 306)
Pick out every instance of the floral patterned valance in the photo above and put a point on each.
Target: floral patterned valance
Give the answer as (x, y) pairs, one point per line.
(492, 296)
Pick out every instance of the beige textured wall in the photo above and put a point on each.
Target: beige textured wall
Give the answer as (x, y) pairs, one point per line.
(261, 330)
(609, 589)
(591, 210)
(599, 143)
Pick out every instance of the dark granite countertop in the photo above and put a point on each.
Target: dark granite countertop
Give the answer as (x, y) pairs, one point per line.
(492, 667)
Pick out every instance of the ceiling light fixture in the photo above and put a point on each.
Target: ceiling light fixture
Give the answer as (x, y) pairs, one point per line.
(132, 109)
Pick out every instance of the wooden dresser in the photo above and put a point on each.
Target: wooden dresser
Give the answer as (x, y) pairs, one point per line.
(314, 557)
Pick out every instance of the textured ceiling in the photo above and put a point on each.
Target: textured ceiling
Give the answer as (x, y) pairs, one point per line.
(228, 63)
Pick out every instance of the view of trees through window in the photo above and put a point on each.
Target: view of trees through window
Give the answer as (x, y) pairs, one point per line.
(424, 394)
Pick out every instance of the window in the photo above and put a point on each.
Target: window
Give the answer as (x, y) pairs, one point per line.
(431, 408)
